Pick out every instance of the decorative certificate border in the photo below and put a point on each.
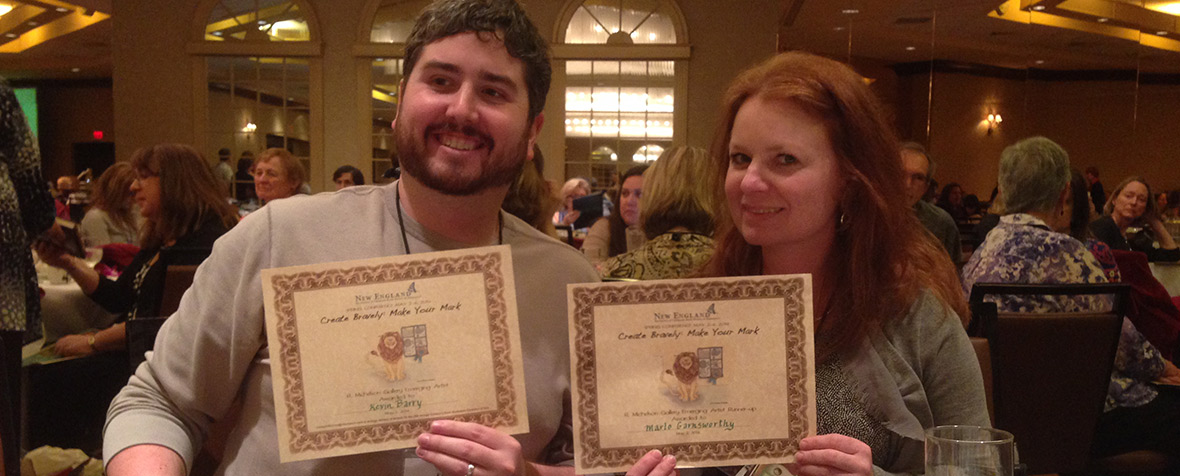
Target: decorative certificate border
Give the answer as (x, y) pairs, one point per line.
(592, 455)
(288, 352)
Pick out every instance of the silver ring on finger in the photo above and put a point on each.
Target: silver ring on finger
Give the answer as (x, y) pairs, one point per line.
(470, 469)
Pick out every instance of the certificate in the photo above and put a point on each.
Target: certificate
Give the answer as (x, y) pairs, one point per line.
(717, 372)
(364, 354)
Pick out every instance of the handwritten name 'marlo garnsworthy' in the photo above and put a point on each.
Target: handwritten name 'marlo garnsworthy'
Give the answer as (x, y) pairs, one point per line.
(702, 332)
(397, 311)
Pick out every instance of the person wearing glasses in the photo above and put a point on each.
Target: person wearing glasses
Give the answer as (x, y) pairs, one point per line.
(919, 170)
(183, 206)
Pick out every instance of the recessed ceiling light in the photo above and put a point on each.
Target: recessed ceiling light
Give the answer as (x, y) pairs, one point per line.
(839, 28)
(11, 35)
(850, 11)
(62, 9)
(217, 33)
(1038, 7)
(911, 48)
(1161, 33)
(75, 70)
(261, 22)
(1039, 61)
(32, 23)
(1103, 20)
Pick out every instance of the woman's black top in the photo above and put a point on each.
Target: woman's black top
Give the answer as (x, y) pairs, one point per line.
(140, 287)
(1107, 231)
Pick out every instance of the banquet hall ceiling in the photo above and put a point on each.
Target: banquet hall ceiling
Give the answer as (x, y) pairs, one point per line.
(43, 39)
(72, 40)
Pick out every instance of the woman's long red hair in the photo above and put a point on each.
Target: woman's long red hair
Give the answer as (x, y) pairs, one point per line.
(884, 256)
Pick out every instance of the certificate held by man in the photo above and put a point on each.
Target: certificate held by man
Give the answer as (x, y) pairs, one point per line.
(364, 354)
(717, 372)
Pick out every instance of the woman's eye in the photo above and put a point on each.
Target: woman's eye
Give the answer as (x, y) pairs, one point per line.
(787, 159)
(739, 159)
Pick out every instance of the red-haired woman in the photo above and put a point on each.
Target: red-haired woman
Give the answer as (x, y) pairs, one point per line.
(813, 183)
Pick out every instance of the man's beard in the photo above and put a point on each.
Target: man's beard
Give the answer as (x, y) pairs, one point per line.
(501, 166)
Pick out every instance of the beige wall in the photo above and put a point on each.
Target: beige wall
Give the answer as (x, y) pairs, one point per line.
(70, 112)
(154, 76)
(1097, 122)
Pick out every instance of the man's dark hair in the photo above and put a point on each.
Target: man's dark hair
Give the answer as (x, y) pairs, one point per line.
(358, 178)
(503, 19)
(1092, 170)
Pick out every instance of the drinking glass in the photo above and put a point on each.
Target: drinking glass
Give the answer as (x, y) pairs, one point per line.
(958, 450)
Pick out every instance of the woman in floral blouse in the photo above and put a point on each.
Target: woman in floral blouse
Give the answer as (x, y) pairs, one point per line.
(1030, 245)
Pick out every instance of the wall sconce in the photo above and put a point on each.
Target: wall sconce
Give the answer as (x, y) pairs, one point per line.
(993, 121)
(249, 128)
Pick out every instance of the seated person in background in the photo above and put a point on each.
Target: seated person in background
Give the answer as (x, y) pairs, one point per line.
(183, 206)
(919, 173)
(676, 215)
(951, 200)
(223, 171)
(277, 174)
(811, 177)
(244, 179)
(347, 176)
(112, 217)
(530, 198)
(1172, 211)
(1132, 222)
(1030, 246)
(573, 188)
(973, 208)
(67, 185)
(619, 232)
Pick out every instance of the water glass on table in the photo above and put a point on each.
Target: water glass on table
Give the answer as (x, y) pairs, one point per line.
(958, 450)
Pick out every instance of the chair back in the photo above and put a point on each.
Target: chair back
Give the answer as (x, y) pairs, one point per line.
(142, 331)
(1051, 371)
(984, 354)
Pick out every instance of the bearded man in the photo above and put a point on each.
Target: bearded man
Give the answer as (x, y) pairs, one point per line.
(475, 80)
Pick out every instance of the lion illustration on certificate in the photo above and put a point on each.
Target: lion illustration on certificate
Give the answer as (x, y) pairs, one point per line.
(688, 368)
(395, 347)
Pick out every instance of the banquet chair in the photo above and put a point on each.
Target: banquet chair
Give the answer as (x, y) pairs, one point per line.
(142, 331)
(1050, 371)
(180, 266)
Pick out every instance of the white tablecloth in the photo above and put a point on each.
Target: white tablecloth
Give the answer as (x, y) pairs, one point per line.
(66, 310)
(1169, 275)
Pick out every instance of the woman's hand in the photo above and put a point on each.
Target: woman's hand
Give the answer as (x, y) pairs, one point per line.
(1171, 375)
(1165, 239)
(832, 454)
(571, 217)
(451, 446)
(73, 345)
(654, 464)
(51, 253)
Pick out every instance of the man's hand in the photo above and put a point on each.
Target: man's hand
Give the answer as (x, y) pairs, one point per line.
(833, 454)
(451, 446)
(654, 464)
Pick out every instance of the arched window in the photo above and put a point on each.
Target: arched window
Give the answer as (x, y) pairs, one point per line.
(383, 44)
(625, 67)
(260, 63)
